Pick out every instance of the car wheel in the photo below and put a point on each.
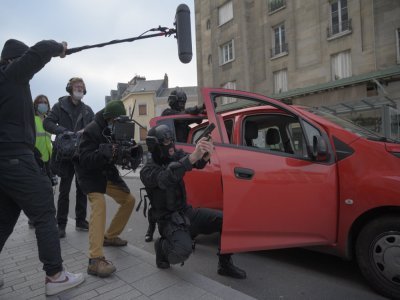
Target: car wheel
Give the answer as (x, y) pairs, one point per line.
(378, 255)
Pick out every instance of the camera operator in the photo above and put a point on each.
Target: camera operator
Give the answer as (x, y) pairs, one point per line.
(98, 175)
(177, 221)
(23, 184)
(71, 115)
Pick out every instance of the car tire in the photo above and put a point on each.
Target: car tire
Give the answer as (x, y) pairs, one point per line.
(378, 253)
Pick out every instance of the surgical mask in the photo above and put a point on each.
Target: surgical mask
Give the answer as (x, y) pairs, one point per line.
(77, 95)
(42, 108)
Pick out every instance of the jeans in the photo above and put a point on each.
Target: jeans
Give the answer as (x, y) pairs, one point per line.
(63, 197)
(24, 186)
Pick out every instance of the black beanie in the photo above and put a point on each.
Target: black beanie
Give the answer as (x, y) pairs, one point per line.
(13, 48)
(114, 109)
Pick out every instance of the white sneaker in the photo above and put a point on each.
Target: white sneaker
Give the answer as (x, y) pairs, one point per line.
(66, 281)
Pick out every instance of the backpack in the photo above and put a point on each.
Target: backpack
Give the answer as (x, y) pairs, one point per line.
(64, 148)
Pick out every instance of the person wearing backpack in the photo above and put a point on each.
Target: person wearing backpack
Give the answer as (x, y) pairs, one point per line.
(69, 115)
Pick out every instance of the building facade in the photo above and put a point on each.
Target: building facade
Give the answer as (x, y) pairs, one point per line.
(343, 55)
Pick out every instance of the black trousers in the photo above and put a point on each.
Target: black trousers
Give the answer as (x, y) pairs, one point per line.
(63, 197)
(24, 186)
(176, 240)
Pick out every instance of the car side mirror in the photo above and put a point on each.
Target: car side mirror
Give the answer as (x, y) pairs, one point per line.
(319, 149)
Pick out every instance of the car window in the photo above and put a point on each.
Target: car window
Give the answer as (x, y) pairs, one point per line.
(278, 133)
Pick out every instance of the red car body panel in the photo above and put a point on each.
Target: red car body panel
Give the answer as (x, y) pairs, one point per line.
(289, 201)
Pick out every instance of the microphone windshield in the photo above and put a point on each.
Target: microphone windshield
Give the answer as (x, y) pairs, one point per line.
(183, 33)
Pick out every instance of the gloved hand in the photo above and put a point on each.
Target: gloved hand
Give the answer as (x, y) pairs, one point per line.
(107, 150)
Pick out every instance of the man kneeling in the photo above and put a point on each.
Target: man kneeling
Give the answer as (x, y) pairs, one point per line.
(177, 221)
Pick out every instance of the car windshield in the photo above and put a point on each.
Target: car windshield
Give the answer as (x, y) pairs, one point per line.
(348, 125)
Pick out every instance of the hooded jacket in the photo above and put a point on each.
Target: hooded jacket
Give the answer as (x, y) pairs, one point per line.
(92, 169)
(17, 126)
(60, 117)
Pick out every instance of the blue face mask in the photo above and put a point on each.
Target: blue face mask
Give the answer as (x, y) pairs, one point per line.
(43, 108)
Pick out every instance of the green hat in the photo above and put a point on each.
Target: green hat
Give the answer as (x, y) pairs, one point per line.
(114, 109)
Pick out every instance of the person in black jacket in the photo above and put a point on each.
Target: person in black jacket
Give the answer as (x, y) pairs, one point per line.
(177, 221)
(98, 175)
(176, 101)
(24, 185)
(69, 114)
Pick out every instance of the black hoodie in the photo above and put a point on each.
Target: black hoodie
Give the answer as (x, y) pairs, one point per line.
(17, 126)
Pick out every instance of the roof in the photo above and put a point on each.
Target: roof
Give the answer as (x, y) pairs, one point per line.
(144, 85)
(354, 80)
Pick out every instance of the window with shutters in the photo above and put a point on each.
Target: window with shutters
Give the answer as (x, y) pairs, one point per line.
(280, 81)
(225, 13)
(341, 65)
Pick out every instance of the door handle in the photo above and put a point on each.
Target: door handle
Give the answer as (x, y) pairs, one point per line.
(243, 173)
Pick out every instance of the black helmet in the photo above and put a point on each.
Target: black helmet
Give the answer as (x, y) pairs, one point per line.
(177, 99)
(157, 136)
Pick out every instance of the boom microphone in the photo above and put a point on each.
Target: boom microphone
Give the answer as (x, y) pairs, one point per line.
(183, 33)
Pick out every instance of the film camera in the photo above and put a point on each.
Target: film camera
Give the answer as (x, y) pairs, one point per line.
(127, 154)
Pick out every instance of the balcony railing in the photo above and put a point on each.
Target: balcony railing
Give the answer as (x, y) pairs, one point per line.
(276, 4)
(278, 49)
(337, 28)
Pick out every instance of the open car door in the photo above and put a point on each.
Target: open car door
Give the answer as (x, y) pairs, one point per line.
(203, 187)
(271, 199)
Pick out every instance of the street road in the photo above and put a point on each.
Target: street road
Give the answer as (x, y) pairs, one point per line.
(275, 274)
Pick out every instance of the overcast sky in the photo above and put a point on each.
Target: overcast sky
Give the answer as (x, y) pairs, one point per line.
(87, 22)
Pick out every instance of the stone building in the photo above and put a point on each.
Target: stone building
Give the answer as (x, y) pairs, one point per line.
(342, 55)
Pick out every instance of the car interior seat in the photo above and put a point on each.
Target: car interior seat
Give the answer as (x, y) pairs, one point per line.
(272, 138)
(250, 133)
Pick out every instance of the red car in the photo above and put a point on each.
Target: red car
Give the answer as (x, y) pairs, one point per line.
(290, 176)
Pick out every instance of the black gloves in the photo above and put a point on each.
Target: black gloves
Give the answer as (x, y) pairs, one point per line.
(136, 156)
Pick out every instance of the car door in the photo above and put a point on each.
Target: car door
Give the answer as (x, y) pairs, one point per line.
(273, 199)
(203, 187)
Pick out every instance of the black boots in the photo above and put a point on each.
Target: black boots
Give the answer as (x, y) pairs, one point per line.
(150, 231)
(227, 268)
(161, 260)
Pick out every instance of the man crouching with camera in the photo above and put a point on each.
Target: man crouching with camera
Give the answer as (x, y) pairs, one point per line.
(98, 175)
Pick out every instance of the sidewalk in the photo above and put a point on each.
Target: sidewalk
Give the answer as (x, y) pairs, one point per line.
(137, 277)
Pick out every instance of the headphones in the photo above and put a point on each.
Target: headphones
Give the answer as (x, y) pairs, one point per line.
(68, 88)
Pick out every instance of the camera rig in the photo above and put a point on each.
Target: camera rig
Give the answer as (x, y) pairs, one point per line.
(128, 154)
